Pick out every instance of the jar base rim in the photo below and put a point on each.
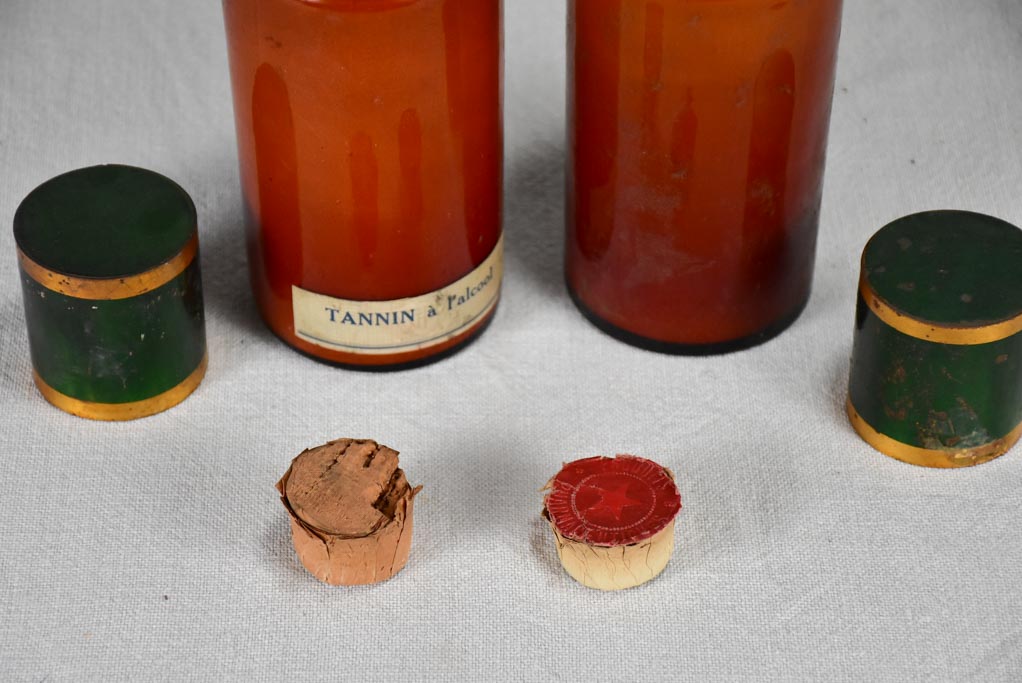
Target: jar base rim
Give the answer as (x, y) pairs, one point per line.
(463, 343)
(679, 349)
(121, 412)
(929, 457)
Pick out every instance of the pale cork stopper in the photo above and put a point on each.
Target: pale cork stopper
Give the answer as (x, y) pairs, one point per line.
(613, 520)
(617, 568)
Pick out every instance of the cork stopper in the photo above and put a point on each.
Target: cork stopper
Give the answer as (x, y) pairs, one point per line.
(350, 506)
(613, 520)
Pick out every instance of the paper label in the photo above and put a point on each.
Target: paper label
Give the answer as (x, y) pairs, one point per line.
(401, 325)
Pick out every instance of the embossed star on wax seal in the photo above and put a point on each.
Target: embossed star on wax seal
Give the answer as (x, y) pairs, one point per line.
(613, 519)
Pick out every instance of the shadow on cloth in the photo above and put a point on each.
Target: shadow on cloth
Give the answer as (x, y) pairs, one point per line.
(279, 549)
(16, 372)
(1011, 12)
(225, 280)
(534, 215)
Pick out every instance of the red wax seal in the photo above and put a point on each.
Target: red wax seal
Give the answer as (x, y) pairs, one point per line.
(612, 501)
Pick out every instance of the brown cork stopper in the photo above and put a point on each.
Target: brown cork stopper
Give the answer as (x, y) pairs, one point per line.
(351, 511)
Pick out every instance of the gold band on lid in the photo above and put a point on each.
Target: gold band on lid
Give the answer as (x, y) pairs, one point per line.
(928, 457)
(109, 289)
(938, 334)
(114, 412)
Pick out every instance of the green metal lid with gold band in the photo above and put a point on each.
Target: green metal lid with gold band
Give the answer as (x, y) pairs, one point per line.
(112, 291)
(936, 374)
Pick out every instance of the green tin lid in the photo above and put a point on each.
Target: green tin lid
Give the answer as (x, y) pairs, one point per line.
(105, 222)
(112, 291)
(947, 269)
(936, 374)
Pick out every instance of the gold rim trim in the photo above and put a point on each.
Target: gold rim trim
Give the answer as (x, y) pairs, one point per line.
(938, 334)
(111, 289)
(117, 412)
(926, 457)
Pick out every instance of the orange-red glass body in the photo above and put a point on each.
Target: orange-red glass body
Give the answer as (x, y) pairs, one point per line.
(698, 133)
(370, 144)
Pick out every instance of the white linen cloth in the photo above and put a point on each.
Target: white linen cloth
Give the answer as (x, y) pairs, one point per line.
(158, 549)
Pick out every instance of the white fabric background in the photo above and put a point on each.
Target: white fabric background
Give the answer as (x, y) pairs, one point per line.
(158, 550)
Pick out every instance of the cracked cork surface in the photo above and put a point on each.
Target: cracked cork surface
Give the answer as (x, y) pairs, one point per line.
(350, 506)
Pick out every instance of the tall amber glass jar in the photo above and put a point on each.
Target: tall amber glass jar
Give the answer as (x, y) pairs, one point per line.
(698, 133)
(370, 143)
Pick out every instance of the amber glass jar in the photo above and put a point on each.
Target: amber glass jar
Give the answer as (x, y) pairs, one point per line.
(370, 144)
(698, 132)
